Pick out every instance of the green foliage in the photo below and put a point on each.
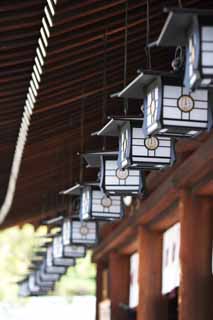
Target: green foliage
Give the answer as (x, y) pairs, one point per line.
(16, 249)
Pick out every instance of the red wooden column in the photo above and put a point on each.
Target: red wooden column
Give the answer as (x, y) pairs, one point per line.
(99, 269)
(196, 289)
(152, 305)
(118, 284)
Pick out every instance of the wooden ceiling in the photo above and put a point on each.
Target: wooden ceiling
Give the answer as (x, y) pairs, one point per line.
(86, 47)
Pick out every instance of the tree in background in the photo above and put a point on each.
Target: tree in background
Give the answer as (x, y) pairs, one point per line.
(16, 248)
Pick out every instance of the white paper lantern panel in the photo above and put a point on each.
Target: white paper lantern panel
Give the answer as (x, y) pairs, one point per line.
(49, 265)
(171, 260)
(75, 251)
(134, 281)
(86, 203)
(151, 153)
(24, 289)
(84, 232)
(172, 110)
(65, 262)
(66, 232)
(45, 276)
(33, 287)
(47, 285)
(48, 277)
(106, 207)
(57, 247)
(115, 180)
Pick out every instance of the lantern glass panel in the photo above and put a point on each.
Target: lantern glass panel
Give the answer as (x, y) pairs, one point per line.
(57, 247)
(84, 232)
(154, 152)
(66, 262)
(115, 180)
(66, 232)
(85, 206)
(75, 251)
(32, 284)
(105, 206)
(50, 268)
(125, 144)
(180, 112)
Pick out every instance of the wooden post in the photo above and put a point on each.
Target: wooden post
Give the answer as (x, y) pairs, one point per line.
(152, 305)
(119, 279)
(196, 289)
(99, 269)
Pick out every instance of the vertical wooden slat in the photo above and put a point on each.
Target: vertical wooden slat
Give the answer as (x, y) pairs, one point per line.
(196, 289)
(99, 269)
(119, 278)
(152, 305)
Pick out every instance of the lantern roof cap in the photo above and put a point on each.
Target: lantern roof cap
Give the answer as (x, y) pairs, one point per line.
(25, 279)
(177, 23)
(76, 189)
(135, 89)
(39, 254)
(93, 159)
(112, 127)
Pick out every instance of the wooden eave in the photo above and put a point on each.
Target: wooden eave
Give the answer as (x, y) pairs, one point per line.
(72, 81)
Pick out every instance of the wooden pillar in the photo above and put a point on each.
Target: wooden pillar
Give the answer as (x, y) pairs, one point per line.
(118, 285)
(152, 305)
(196, 290)
(99, 270)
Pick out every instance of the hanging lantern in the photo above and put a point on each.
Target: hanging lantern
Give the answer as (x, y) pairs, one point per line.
(49, 263)
(58, 258)
(193, 29)
(114, 180)
(136, 151)
(170, 109)
(42, 284)
(95, 204)
(70, 250)
(45, 276)
(84, 232)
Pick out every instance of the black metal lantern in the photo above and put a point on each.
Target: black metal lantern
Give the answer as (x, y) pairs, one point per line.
(58, 255)
(49, 263)
(73, 251)
(95, 204)
(193, 29)
(170, 109)
(45, 276)
(85, 233)
(136, 151)
(114, 180)
(41, 283)
(24, 290)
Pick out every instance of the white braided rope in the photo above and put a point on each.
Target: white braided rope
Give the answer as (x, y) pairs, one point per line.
(47, 24)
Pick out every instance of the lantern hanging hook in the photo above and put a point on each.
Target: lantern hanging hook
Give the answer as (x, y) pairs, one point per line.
(178, 61)
(180, 3)
(126, 54)
(147, 47)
